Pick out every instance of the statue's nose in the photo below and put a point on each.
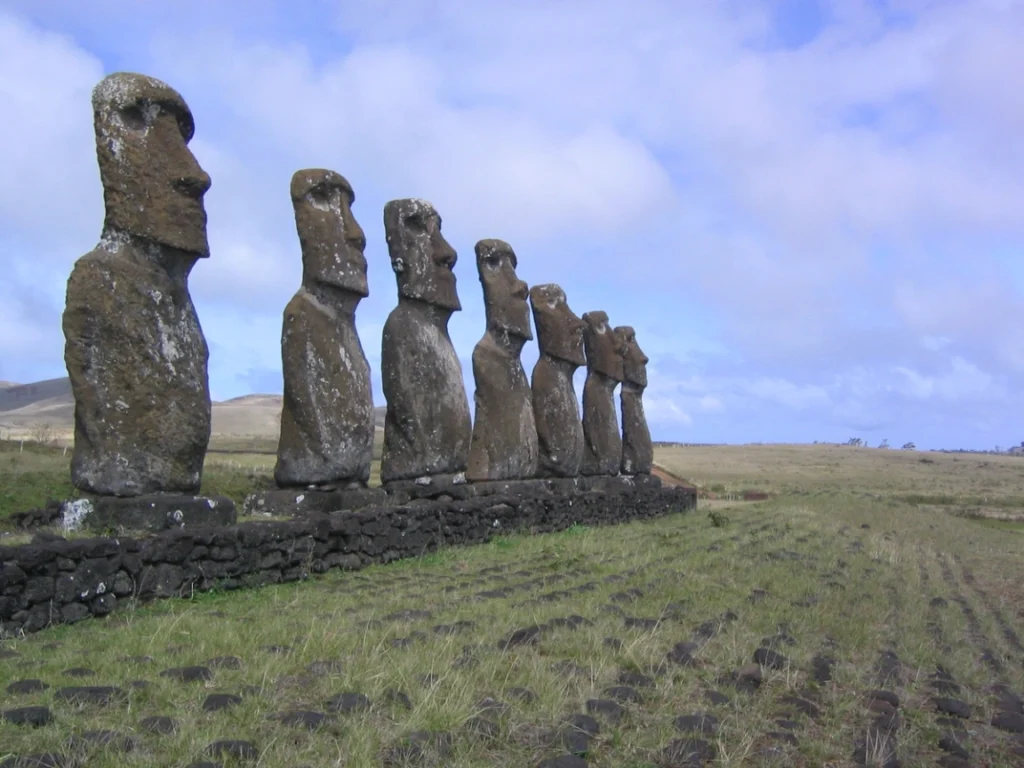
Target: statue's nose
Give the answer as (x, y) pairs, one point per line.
(194, 184)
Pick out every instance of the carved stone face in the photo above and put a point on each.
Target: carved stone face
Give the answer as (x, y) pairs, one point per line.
(420, 256)
(504, 293)
(634, 361)
(331, 238)
(603, 346)
(153, 186)
(559, 331)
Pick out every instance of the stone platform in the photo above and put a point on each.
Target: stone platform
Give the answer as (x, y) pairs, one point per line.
(302, 503)
(154, 512)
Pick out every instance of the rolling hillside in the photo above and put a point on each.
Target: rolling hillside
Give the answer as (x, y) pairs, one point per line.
(29, 406)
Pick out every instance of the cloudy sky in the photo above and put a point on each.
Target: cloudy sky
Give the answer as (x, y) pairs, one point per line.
(812, 211)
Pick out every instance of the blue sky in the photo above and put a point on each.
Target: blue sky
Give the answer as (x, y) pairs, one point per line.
(812, 211)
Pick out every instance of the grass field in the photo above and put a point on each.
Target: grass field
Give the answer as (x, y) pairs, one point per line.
(865, 570)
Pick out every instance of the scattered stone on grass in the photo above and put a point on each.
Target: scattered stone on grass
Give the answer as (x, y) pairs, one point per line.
(159, 724)
(33, 716)
(23, 687)
(188, 674)
(610, 710)
(701, 722)
(348, 702)
(218, 701)
(234, 748)
(623, 693)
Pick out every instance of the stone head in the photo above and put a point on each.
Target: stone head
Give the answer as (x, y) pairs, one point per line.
(331, 238)
(602, 345)
(559, 331)
(153, 186)
(504, 293)
(634, 361)
(422, 259)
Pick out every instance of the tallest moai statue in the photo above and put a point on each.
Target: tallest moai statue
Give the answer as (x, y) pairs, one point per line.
(135, 352)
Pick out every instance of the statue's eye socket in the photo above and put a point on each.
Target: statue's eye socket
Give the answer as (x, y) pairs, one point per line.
(134, 117)
(416, 222)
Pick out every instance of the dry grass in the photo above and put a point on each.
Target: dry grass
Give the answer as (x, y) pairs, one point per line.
(845, 564)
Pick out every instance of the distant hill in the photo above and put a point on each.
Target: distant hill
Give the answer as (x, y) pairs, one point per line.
(25, 406)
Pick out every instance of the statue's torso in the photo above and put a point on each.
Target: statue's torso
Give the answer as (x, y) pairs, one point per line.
(137, 360)
(504, 442)
(602, 452)
(557, 413)
(327, 424)
(427, 428)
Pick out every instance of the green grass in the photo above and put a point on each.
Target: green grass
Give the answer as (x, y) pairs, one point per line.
(854, 557)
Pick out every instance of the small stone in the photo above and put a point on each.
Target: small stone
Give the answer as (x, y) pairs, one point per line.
(887, 696)
(188, 674)
(954, 747)
(770, 659)
(700, 722)
(159, 724)
(218, 701)
(346, 703)
(717, 698)
(611, 710)
(399, 698)
(525, 636)
(33, 716)
(953, 707)
(1009, 721)
(612, 642)
(22, 687)
(623, 693)
(687, 753)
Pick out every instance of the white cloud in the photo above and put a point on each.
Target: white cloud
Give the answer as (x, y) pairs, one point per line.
(830, 214)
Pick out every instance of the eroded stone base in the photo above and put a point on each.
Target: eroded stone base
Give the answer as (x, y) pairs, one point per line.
(155, 512)
(293, 502)
(301, 503)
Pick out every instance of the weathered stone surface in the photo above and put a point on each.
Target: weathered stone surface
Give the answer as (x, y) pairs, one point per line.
(327, 418)
(555, 406)
(151, 512)
(299, 503)
(427, 429)
(134, 349)
(504, 443)
(602, 442)
(637, 449)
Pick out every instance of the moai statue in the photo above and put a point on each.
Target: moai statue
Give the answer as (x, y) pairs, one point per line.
(504, 445)
(637, 449)
(135, 352)
(602, 443)
(555, 407)
(327, 419)
(427, 428)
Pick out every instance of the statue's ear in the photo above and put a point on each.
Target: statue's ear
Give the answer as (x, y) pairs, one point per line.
(398, 266)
